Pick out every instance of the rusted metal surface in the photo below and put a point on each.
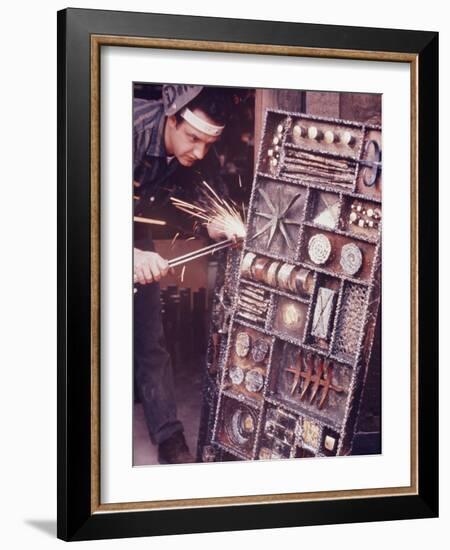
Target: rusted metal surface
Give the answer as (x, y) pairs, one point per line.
(302, 296)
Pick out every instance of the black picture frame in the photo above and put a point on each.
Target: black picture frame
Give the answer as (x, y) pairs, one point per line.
(79, 515)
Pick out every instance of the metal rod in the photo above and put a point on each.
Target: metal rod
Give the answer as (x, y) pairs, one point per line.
(201, 252)
(180, 260)
(195, 252)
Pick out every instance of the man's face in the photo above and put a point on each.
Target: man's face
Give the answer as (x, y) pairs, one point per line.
(186, 142)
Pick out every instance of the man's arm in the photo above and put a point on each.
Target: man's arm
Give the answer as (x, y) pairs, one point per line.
(143, 114)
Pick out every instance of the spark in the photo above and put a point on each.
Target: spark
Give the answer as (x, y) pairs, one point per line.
(182, 273)
(172, 242)
(151, 221)
(244, 215)
(219, 213)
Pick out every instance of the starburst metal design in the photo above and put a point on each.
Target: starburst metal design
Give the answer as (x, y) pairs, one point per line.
(276, 216)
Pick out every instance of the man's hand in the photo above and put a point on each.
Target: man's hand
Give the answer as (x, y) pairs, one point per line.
(217, 233)
(149, 267)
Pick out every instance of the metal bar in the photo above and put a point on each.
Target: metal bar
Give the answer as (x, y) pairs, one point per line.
(201, 252)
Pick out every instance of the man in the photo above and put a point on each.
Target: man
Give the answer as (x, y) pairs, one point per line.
(170, 135)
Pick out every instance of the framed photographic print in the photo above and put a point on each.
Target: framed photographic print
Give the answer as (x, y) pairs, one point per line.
(247, 254)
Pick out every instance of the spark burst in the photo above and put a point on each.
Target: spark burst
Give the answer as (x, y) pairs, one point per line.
(212, 209)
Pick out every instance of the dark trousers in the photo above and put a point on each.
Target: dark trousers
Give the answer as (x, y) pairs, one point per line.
(152, 365)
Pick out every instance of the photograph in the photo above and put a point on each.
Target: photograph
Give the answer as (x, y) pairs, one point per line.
(245, 302)
(257, 218)
(225, 275)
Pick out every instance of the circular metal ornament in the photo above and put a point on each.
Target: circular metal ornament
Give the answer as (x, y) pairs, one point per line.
(242, 345)
(372, 154)
(254, 381)
(319, 249)
(259, 350)
(259, 267)
(304, 281)
(284, 276)
(297, 131)
(314, 133)
(236, 375)
(247, 264)
(329, 136)
(347, 139)
(247, 423)
(351, 259)
(242, 426)
(271, 273)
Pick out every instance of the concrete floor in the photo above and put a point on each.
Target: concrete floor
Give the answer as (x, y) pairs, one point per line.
(188, 392)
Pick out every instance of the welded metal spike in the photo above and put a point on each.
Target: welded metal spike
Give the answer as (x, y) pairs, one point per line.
(326, 383)
(317, 377)
(296, 370)
(307, 374)
(261, 231)
(285, 235)
(291, 203)
(269, 203)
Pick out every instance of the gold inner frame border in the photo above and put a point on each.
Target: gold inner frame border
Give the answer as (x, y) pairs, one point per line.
(97, 41)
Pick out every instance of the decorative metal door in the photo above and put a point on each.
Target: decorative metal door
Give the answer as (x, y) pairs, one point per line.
(295, 311)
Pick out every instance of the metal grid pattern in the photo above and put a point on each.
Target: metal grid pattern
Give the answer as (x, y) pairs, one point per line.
(307, 284)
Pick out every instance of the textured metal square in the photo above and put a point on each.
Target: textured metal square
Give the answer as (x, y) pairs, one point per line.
(323, 312)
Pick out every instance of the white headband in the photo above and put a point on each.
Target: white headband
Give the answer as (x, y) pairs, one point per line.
(201, 124)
